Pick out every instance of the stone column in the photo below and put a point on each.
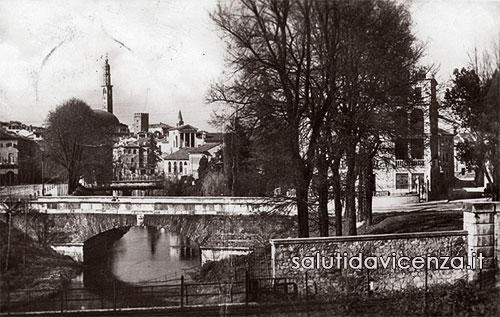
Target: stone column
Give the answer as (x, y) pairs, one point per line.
(479, 222)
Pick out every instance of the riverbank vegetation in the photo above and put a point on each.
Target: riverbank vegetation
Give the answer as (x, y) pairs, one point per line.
(31, 266)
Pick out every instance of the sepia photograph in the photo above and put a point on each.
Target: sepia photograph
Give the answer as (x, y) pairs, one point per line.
(250, 158)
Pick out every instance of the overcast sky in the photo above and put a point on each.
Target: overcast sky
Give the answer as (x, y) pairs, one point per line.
(164, 54)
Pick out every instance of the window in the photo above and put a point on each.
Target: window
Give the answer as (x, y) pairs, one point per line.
(418, 92)
(417, 148)
(9, 144)
(462, 171)
(417, 121)
(401, 149)
(401, 121)
(135, 151)
(401, 181)
(180, 167)
(169, 167)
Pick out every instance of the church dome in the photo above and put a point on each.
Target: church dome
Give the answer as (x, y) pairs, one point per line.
(106, 118)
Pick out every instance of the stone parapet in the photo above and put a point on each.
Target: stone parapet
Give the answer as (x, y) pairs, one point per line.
(164, 205)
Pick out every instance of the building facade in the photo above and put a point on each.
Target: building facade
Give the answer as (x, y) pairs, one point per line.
(141, 122)
(186, 161)
(422, 161)
(19, 160)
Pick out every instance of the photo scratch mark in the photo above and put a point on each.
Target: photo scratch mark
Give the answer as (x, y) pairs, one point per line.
(44, 61)
(117, 41)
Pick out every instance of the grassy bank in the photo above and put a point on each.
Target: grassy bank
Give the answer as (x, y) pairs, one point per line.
(31, 266)
(420, 221)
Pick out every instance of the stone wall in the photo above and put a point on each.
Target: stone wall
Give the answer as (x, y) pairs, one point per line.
(34, 190)
(324, 281)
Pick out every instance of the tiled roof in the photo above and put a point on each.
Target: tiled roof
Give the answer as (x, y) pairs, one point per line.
(4, 135)
(181, 154)
(214, 137)
(185, 127)
(160, 125)
(204, 148)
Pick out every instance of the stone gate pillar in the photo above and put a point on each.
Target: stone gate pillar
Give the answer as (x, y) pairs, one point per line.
(482, 224)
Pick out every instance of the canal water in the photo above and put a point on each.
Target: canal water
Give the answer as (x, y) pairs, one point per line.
(146, 254)
(130, 273)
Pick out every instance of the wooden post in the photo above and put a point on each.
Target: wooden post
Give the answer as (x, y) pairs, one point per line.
(247, 286)
(62, 300)
(8, 297)
(182, 291)
(114, 295)
(307, 287)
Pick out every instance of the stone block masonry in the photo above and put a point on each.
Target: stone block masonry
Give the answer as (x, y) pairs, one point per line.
(480, 237)
(479, 222)
(352, 280)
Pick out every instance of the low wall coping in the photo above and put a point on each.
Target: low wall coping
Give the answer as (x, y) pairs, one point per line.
(481, 207)
(68, 244)
(158, 199)
(226, 248)
(372, 237)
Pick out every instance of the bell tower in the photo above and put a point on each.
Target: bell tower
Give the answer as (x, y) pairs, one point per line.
(107, 88)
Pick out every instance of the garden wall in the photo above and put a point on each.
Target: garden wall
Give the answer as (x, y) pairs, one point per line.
(289, 260)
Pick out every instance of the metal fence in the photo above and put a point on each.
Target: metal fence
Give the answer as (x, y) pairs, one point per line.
(177, 293)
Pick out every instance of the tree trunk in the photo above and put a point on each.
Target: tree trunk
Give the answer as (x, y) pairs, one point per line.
(72, 182)
(9, 226)
(323, 195)
(361, 210)
(351, 194)
(337, 195)
(302, 211)
(303, 180)
(369, 188)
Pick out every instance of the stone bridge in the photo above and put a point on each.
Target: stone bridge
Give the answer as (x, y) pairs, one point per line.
(222, 223)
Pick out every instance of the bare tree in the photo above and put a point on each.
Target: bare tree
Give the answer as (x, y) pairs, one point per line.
(313, 65)
(272, 52)
(11, 207)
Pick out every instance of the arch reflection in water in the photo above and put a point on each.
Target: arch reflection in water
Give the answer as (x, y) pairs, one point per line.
(145, 253)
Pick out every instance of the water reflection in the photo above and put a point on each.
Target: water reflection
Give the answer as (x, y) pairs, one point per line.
(141, 255)
(145, 253)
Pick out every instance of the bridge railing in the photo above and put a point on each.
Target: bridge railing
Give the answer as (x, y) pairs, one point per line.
(163, 205)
